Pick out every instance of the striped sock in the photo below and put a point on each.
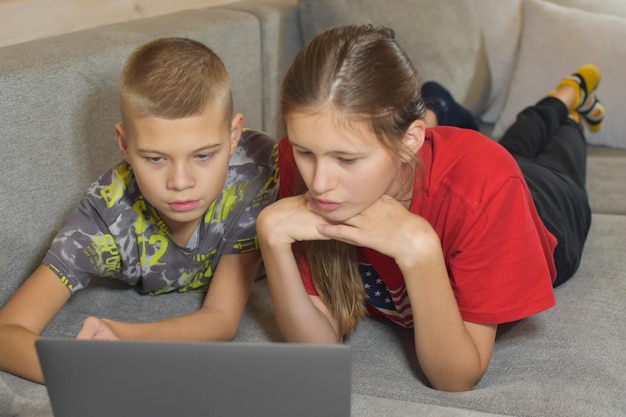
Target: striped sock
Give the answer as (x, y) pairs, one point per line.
(585, 80)
(592, 112)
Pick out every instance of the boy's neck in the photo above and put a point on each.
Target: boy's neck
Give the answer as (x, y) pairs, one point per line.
(180, 233)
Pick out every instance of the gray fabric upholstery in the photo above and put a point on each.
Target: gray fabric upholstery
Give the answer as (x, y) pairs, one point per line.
(542, 366)
(428, 31)
(281, 40)
(58, 106)
(606, 180)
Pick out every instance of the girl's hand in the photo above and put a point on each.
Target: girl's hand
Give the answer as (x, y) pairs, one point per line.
(289, 220)
(386, 227)
(95, 328)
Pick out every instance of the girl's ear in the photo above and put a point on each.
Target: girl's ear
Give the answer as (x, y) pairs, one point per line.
(122, 142)
(414, 137)
(236, 129)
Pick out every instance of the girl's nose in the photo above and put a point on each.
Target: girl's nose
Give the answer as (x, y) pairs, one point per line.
(323, 179)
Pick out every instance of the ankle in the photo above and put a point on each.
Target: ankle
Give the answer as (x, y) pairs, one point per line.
(584, 81)
(568, 94)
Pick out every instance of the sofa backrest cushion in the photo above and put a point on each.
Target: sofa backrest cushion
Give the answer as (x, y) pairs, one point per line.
(442, 38)
(546, 55)
(58, 108)
(612, 7)
(501, 40)
(281, 40)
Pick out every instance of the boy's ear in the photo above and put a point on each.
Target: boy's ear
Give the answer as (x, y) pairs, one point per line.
(122, 143)
(415, 135)
(236, 129)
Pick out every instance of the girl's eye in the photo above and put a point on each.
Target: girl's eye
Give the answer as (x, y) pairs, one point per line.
(154, 159)
(348, 161)
(303, 153)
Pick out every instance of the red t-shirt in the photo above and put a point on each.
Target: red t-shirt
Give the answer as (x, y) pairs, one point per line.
(497, 250)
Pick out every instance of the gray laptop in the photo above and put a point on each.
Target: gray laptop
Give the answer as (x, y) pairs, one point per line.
(184, 379)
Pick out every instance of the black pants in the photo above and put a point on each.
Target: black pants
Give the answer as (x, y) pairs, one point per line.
(552, 154)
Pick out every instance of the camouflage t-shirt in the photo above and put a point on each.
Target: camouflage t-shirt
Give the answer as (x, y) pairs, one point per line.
(116, 233)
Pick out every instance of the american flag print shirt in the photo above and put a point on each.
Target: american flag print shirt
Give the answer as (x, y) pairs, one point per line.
(392, 303)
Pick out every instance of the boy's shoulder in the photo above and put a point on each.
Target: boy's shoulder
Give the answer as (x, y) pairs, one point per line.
(255, 147)
(113, 185)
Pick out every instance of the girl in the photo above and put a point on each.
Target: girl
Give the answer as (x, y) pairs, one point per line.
(439, 229)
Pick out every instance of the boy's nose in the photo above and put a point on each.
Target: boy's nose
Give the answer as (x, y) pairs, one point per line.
(180, 178)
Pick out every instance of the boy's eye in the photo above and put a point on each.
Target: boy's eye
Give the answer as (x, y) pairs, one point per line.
(204, 156)
(348, 160)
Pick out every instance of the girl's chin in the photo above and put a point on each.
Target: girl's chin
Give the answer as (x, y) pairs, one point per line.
(337, 217)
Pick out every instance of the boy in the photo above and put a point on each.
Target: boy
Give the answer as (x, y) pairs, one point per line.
(186, 196)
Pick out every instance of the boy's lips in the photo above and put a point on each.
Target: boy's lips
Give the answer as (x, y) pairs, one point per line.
(184, 205)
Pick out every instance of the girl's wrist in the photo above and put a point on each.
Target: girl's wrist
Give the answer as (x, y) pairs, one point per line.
(421, 251)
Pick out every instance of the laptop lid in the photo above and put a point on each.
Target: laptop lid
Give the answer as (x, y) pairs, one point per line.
(184, 379)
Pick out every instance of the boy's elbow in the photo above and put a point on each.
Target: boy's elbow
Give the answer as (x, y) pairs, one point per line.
(229, 334)
(217, 326)
(223, 334)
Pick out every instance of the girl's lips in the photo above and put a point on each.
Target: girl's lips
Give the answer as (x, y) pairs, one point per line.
(326, 205)
(184, 205)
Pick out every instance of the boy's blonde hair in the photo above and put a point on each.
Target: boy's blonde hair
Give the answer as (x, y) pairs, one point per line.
(173, 78)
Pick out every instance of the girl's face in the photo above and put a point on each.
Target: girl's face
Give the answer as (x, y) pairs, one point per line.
(344, 166)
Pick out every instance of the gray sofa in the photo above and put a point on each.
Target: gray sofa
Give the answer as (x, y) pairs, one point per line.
(58, 106)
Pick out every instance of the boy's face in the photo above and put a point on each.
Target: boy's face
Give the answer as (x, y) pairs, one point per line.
(180, 164)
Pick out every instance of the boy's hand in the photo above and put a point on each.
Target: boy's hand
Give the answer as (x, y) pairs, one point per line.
(95, 328)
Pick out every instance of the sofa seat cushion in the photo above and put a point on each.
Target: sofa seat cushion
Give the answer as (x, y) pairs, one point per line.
(566, 361)
(606, 187)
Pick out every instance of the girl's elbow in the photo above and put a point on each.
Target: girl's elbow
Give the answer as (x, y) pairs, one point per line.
(454, 386)
(456, 383)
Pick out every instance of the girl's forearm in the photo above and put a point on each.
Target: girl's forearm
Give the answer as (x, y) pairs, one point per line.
(445, 350)
(298, 318)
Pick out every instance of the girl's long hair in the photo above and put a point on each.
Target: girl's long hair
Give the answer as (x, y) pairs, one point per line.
(363, 74)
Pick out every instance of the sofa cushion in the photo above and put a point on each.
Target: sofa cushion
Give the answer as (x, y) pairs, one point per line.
(550, 364)
(281, 40)
(443, 39)
(501, 41)
(555, 41)
(612, 7)
(6, 399)
(58, 107)
(606, 170)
